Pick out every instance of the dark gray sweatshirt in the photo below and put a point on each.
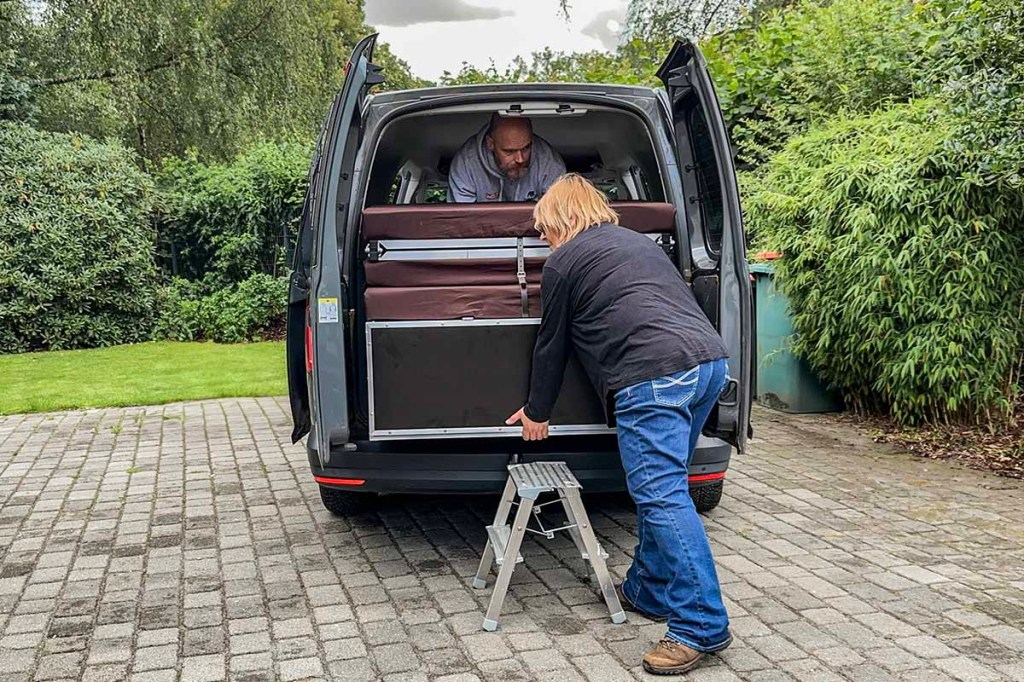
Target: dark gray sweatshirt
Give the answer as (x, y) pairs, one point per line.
(614, 296)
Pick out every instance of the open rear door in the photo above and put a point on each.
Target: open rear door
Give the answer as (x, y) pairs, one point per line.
(316, 296)
(721, 280)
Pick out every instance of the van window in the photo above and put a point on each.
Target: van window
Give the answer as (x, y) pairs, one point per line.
(709, 184)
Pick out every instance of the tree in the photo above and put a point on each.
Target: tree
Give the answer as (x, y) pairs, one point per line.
(15, 92)
(168, 75)
(651, 27)
(662, 21)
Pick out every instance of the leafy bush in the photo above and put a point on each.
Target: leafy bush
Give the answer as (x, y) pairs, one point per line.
(223, 223)
(801, 65)
(76, 243)
(985, 88)
(246, 311)
(905, 273)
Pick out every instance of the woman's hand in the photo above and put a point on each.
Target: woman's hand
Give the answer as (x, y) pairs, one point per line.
(531, 430)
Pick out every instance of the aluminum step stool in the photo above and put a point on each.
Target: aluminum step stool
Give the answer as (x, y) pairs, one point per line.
(528, 481)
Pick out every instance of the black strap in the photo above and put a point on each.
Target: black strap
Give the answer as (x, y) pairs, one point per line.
(521, 277)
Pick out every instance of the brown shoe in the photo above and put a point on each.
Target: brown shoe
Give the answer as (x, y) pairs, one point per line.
(630, 606)
(671, 658)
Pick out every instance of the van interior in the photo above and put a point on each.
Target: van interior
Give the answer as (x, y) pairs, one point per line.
(450, 293)
(610, 147)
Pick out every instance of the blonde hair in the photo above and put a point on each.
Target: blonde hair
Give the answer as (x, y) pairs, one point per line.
(571, 205)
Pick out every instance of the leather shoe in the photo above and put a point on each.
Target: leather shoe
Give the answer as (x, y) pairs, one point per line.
(671, 658)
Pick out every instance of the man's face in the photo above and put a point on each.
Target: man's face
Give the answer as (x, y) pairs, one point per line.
(511, 146)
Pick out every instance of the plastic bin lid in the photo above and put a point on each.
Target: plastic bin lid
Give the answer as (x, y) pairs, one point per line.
(762, 262)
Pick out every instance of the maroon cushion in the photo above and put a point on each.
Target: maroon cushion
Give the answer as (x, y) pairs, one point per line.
(471, 221)
(449, 303)
(421, 273)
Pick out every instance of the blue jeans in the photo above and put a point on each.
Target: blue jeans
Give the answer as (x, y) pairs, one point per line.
(673, 572)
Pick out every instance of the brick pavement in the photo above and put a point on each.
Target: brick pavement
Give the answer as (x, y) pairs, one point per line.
(188, 542)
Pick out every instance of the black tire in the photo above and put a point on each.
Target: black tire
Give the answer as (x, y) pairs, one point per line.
(343, 502)
(707, 497)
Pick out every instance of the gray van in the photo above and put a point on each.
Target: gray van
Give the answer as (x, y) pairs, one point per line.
(412, 319)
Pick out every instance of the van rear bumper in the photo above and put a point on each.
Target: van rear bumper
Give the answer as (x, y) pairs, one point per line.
(462, 472)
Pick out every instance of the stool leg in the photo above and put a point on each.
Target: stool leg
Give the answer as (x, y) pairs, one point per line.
(596, 561)
(508, 564)
(500, 516)
(574, 533)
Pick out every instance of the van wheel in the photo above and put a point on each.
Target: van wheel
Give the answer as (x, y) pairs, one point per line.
(344, 502)
(707, 497)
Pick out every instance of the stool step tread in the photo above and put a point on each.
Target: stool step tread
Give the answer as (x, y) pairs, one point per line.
(499, 535)
(543, 476)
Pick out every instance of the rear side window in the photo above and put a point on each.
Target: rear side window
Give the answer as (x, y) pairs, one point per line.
(709, 184)
(428, 190)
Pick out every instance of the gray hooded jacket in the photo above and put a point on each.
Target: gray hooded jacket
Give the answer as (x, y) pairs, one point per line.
(474, 175)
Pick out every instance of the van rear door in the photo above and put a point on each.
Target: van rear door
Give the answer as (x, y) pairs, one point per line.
(720, 277)
(317, 295)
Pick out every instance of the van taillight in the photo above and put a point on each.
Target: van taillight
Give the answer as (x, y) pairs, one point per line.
(309, 343)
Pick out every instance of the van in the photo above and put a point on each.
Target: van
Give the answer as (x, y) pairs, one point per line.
(411, 319)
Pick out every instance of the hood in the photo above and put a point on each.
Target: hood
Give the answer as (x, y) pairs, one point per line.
(485, 156)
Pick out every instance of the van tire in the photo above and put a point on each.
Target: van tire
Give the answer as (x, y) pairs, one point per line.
(707, 497)
(343, 502)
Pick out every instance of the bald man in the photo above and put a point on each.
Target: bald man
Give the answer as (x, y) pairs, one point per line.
(504, 162)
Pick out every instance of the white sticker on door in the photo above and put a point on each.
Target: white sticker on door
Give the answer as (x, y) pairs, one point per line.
(327, 309)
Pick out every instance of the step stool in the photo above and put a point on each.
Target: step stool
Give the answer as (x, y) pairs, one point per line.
(528, 481)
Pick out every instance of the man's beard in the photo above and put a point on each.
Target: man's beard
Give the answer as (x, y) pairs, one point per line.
(516, 172)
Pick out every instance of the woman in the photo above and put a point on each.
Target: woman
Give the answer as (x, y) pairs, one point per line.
(616, 298)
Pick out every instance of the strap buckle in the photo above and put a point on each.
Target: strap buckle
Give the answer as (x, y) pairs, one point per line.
(524, 295)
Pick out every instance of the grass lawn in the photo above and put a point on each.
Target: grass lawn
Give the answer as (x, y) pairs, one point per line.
(139, 374)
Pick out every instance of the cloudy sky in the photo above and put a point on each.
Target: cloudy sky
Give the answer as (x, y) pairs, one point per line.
(438, 35)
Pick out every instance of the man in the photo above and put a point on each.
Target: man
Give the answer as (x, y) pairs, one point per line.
(504, 162)
(614, 296)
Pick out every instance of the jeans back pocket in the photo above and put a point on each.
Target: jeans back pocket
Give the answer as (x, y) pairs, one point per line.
(677, 389)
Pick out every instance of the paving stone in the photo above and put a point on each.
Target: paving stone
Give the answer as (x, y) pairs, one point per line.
(486, 647)
(155, 658)
(529, 641)
(926, 646)
(543, 660)
(776, 648)
(56, 666)
(393, 658)
(251, 663)
(602, 668)
(963, 668)
(431, 636)
(202, 669)
(443, 662)
(343, 649)
(301, 668)
(155, 676)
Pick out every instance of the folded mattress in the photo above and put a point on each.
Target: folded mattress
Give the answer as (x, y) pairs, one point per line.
(477, 221)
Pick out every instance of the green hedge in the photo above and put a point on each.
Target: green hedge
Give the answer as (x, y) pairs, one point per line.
(904, 269)
(76, 243)
(225, 222)
(250, 310)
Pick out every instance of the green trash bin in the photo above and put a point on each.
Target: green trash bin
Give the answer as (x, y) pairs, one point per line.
(783, 381)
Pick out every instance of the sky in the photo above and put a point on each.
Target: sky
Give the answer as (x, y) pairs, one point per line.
(438, 35)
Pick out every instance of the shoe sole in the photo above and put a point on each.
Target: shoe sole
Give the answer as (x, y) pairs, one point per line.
(674, 670)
